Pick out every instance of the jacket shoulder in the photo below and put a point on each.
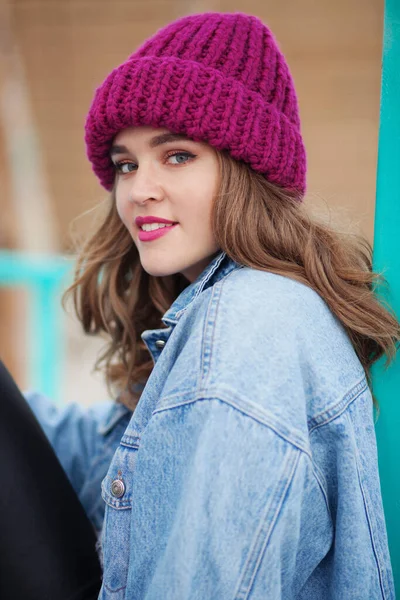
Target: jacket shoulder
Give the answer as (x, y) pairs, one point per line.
(269, 296)
(276, 341)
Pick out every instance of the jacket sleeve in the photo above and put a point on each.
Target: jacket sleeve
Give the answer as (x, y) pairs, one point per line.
(84, 440)
(238, 507)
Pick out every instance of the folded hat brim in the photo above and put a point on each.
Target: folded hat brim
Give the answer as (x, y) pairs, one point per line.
(187, 97)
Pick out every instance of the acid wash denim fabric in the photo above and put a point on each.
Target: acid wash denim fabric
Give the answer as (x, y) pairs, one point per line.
(249, 467)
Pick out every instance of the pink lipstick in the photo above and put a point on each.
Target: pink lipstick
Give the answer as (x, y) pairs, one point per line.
(153, 233)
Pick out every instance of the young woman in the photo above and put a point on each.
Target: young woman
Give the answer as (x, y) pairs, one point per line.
(241, 332)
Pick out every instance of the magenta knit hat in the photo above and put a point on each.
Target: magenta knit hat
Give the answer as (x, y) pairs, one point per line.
(218, 78)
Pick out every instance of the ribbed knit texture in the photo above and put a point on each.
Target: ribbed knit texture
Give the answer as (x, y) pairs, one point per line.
(218, 78)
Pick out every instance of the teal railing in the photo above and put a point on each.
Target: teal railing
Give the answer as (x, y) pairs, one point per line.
(44, 277)
(387, 260)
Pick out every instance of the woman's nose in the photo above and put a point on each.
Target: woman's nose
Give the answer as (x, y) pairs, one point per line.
(144, 187)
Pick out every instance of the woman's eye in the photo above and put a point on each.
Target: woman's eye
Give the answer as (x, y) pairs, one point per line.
(180, 157)
(125, 167)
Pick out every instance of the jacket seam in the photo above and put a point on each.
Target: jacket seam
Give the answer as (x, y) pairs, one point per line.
(320, 480)
(211, 325)
(127, 443)
(258, 418)
(265, 530)
(376, 550)
(340, 407)
(208, 334)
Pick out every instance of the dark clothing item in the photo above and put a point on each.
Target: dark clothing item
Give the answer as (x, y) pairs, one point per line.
(47, 544)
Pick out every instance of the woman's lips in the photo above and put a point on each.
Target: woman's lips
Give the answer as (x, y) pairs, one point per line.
(149, 236)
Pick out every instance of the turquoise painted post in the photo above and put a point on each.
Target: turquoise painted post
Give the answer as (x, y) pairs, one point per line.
(387, 260)
(46, 339)
(44, 277)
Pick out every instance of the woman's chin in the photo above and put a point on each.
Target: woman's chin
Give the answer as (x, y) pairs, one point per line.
(158, 270)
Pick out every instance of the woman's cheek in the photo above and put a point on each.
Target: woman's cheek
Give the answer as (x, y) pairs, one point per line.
(122, 211)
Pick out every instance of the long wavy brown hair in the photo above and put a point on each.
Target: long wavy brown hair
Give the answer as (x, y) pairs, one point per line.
(258, 225)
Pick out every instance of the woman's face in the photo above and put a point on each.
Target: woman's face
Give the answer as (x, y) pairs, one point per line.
(165, 186)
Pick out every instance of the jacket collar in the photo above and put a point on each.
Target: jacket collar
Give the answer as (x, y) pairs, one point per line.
(217, 269)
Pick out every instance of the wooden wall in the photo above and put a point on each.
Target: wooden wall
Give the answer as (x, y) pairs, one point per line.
(333, 48)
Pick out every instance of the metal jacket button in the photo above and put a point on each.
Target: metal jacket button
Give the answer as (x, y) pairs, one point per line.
(118, 488)
(160, 344)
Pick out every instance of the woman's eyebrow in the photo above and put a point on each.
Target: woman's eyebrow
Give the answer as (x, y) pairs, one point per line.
(118, 150)
(158, 140)
(164, 138)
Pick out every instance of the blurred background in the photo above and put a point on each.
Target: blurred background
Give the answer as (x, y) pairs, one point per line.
(54, 53)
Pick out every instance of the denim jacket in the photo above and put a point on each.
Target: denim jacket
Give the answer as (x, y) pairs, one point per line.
(249, 467)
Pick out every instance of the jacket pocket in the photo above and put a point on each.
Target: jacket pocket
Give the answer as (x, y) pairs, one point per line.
(117, 494)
